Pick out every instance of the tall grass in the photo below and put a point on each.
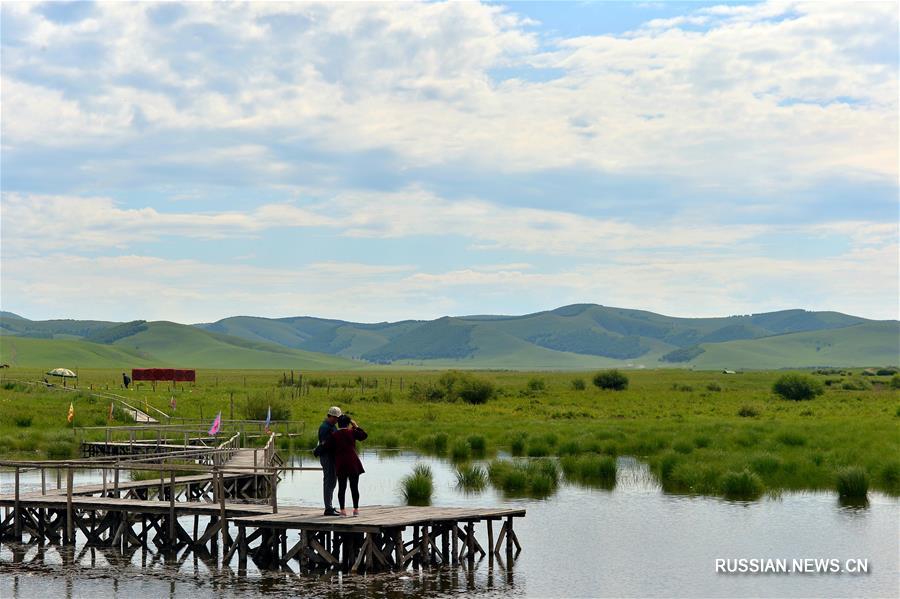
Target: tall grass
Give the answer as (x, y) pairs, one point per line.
(471, 477)
(591, 470)
(741, 485)
(535, 478)
(852, 482)
(418, 487)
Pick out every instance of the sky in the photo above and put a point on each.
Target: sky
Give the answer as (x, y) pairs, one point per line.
(372, 162)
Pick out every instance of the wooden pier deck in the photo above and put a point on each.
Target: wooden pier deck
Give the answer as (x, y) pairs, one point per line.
(237, 493)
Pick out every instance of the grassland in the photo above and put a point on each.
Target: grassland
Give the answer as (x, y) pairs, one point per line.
(701, 432)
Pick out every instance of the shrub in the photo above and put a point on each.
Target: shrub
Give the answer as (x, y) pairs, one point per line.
(702, 441)
(741, 485)
(714, 386)
(476, 391)
(23, 421)
(667, 466)
(856, 385)
(797, 387)
(579, 385)
(852, 482)
(536, 385)
(390, 441)
(895, 381)
(747, 411)
(418, 486)
(611, 379)
(471, 477)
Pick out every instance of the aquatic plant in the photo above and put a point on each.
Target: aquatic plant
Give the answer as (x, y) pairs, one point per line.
(460, 451)
(741, 485)
(418, 486)
(852, 482)
(471, 477)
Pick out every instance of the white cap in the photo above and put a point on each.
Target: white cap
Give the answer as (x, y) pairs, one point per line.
(334, 411)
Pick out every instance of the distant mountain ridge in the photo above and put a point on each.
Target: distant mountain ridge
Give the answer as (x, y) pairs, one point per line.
(574, 336)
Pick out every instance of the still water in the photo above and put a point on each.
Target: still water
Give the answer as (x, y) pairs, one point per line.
(632, 541)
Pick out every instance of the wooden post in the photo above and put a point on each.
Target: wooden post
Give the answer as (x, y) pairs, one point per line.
(455, 536)
(490, 527)
(398, 549)
(222, 518)
(274, 490)
(104, 482)
(172, 537)
(43, 481)
(70, 523)
(116, 478)
(17, 514)
(509, 535)
(470, 542)
(58, 479)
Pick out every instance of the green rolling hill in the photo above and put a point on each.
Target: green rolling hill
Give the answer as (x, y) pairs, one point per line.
(159, 344)
(579, 336)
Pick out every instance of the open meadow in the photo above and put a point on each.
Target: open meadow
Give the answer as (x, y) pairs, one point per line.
(703, 433)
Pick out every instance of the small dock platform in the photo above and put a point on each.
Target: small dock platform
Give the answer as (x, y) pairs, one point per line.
(228, 511)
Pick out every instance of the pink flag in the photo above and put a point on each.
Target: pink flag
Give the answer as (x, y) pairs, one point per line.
(172, 403)
(214, 429)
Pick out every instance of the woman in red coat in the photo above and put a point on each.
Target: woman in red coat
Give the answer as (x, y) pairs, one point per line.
(347, 465)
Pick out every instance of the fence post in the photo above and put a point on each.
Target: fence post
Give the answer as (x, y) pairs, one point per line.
(43, 481)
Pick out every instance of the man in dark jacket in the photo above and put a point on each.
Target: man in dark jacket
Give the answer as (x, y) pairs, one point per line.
(126, 380)
(326, 459)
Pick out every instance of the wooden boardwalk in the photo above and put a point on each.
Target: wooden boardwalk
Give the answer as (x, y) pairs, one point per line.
(238, 494)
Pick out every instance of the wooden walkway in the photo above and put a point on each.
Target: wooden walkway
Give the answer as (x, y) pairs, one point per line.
(239, 494)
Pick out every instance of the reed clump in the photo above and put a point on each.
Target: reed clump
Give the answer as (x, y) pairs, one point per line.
(471, 477)
(852, 482)
(418, 487)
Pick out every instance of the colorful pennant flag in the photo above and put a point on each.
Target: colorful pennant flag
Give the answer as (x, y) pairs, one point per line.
(214, 429)
(268, 419)
(71, 415)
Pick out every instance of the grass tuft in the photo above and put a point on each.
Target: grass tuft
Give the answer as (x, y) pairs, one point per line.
(741, 485)
(418, 487)
(852, 482)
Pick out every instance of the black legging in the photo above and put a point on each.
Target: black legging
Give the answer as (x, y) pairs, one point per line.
(354, 489)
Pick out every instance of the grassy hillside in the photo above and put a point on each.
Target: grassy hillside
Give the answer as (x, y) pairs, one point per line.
(868, 344)
(164, 344)
(66, 353)
(570, 337)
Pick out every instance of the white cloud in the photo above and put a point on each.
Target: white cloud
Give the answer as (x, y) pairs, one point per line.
(756, 98)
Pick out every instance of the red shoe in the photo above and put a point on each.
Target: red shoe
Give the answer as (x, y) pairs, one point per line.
(355, 513)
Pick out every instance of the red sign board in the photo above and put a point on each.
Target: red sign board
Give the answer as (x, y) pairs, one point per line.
(163, 374)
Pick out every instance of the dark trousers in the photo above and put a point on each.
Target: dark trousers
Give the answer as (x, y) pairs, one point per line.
(328, 480)
(354, 489)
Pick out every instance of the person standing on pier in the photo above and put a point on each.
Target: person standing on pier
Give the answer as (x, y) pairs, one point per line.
(326, 459)
(347, 464)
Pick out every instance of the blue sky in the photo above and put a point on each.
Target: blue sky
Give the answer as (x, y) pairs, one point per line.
(377, 162)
